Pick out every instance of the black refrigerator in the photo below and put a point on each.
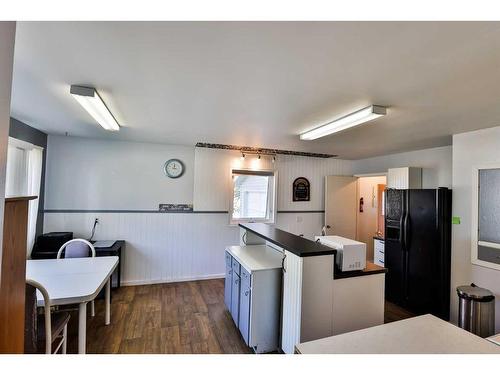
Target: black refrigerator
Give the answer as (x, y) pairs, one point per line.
(418, 249)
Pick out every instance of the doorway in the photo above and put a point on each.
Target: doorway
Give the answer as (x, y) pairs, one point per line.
(370, 212)
(354, 208)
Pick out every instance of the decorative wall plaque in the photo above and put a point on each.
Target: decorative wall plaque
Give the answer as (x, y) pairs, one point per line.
(301, 190)
(168, 207)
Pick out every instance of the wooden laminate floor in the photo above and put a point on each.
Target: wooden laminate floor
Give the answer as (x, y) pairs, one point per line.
(186, 317)
(394, 313)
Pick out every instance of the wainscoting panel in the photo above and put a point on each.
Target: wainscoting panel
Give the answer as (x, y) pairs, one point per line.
(168, 247)
(308, 224)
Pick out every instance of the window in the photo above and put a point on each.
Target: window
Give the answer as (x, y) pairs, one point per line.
(485, 237)
(16, 183)
(23, 177)
(253, 196)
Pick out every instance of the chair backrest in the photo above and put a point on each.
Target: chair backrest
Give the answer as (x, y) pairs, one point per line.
(46, 308)
(76, 248)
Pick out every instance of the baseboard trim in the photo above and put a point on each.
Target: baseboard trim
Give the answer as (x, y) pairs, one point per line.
(173, 280)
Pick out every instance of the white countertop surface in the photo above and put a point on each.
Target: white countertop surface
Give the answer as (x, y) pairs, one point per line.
(425, 334)
(495, 339)
(71, 280)
(256, 257)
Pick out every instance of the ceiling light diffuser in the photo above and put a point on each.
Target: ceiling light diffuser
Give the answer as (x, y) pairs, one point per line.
(353, 119)
(90, 100)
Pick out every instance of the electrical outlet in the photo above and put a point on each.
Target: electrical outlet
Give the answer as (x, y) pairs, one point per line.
(299, 219)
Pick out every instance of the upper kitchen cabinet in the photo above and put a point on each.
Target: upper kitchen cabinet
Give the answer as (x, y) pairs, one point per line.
(404, 178)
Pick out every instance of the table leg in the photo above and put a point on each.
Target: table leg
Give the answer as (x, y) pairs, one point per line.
(82, 327)
(107, 297)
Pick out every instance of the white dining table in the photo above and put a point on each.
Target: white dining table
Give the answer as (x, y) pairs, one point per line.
(424, 334)
(74, 281)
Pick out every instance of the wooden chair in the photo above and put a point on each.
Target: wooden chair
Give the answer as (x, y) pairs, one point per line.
(78, 248)
(46, 328)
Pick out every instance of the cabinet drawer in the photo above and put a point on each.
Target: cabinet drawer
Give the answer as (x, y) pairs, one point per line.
(245, 277)
(378, 253)
(379, 245)
(379, 261)
(236, 266)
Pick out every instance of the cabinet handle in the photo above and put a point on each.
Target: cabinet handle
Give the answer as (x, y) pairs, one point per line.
(236, 281)
(246, 293)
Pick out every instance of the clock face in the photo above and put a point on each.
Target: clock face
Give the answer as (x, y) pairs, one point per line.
(174, 168)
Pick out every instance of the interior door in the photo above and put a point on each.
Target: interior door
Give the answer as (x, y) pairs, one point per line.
(341, 205)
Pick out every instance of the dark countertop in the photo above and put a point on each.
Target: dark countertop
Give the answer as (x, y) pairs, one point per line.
(371, 269)
(303, 247)
(378, 238)
(300, 246)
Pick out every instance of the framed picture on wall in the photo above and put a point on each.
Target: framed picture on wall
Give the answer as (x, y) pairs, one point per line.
(301, 190)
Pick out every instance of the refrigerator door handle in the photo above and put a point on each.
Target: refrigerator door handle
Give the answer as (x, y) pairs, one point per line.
(407, 225)
(406, 254)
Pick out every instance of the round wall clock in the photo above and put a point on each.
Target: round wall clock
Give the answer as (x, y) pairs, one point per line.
(174, 168)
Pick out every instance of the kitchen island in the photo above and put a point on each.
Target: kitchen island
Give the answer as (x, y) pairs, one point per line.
(318, 300)
(425, 334)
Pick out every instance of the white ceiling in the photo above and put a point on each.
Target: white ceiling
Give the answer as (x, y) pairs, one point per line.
(261, 84)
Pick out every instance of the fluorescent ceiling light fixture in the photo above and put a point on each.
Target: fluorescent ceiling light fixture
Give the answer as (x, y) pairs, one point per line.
(356, 118)
(93, 104)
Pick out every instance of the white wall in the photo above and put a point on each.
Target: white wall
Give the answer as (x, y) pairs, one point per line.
(96, 174)
(162, 247)
(213, 175)
(436, 164)
(471, 149)
(7, 35)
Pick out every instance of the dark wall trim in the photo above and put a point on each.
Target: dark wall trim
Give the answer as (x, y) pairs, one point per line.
(23, 132)
(71, 211)
(265, 151)
(302, 212)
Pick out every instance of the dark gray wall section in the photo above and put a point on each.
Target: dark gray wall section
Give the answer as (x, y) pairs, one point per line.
(20, 130)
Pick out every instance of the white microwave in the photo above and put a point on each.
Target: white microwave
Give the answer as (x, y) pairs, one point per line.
(351, 255)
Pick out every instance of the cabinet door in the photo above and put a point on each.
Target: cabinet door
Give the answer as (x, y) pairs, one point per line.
(228, 282)
(244, 322)
(398, 178)
(235, 297)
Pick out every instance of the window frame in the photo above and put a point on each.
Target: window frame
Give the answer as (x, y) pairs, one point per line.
(271, 200)
(475, 218)
(25, 147)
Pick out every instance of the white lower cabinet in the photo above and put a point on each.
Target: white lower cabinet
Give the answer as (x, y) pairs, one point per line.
(255, 291)
(245, 297)
(235, 298)
(379, 252)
